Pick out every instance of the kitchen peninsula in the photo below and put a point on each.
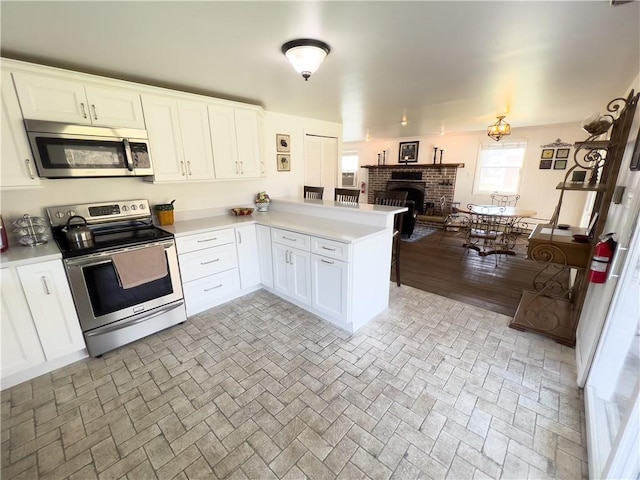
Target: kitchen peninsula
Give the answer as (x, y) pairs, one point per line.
(330, 258)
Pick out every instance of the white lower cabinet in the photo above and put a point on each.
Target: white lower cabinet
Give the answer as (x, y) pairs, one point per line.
(209, 269)
(248, 257)
(40, 327)
(330, 286)
(49, 297)
(21, 347)
(291, 267)
(265, 256)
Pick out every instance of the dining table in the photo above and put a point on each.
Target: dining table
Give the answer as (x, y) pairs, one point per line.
(510, 222)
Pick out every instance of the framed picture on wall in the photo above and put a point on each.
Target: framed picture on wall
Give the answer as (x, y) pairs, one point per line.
(562, 153)
(283, 143)
(284, 162)
(547, 153)
(545, 164)
(560, 165)
(408, 152)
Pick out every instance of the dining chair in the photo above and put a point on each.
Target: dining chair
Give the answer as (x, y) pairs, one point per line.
(484, 230)
(504, 200)
(347, 195)
(393, 199)
(314, 193)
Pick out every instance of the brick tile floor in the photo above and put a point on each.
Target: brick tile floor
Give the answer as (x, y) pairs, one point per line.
(259, 389)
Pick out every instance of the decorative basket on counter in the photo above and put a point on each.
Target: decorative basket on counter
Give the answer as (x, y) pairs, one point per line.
(164, 212)
(31, 231)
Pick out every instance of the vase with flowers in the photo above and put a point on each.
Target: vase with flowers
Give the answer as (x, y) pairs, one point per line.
(262, 201)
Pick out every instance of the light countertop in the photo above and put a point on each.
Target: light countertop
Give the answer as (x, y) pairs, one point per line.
(18, 255)
(319, 227)
(330, 204)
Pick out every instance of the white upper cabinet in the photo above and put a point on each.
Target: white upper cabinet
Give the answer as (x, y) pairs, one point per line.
(62, 100)
(196, 140)
(179, 138)
(235, 134)
(18, 169)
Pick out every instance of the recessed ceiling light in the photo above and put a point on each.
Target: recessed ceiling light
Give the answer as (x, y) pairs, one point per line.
(403, 122)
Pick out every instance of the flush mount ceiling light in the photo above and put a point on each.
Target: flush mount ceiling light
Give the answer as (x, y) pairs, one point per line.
(499, 129)
(306, 55)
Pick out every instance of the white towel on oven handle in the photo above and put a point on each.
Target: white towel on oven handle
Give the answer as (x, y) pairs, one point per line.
(140, 266)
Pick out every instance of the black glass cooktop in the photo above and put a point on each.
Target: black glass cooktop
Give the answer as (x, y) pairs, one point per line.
(111, 238)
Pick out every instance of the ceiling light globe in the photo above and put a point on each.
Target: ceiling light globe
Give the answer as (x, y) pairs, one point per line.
(305, 55)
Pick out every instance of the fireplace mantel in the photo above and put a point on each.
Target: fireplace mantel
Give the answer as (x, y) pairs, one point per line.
(417, 165)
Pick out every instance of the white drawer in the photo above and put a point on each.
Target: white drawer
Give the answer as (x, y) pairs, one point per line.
(210, 291)
(292, 239)
(199, 241)
(330, 248)
(205, 262)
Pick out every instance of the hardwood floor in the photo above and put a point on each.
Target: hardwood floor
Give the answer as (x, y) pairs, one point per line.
(446, 268)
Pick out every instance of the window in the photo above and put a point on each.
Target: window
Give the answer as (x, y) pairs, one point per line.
(349, 168)
(499, 168)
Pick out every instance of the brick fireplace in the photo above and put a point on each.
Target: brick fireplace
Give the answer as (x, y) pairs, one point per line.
(433, 180)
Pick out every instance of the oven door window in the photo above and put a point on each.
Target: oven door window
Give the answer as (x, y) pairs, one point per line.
(82, 154)
(107, 296)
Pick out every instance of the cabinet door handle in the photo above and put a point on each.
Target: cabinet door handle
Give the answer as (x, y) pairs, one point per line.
(287, 254)
(241, 168)
(326, 261)
(616, 261)
(84, 111)
(189, 168)
(45, 285)
(261, 167)
(28, 162)
(239, 237)
(210, 261)
(95, 112)
(182, 168)
(208, 240)
(212, 288)
(327, 248)
(237, 173)
(290, 239)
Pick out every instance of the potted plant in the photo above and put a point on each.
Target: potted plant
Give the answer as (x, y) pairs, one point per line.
(262, 201)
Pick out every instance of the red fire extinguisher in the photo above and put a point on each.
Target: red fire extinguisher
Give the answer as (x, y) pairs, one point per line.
(363, 187)
(602, 256)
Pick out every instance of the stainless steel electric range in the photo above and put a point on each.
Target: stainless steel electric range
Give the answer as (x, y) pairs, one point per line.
(110, 314)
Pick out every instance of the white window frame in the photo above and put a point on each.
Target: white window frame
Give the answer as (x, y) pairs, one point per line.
(482, 159)
(350, 153)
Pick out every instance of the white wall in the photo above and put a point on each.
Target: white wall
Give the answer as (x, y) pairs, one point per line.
(538, 187)
(189, 196)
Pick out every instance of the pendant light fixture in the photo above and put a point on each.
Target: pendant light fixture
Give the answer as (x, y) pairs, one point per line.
(499, 129)
(306, 55)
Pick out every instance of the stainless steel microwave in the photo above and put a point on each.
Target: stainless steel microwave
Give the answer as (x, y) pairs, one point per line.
(62, 151)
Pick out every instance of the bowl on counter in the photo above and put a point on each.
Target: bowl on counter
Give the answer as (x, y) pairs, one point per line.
(580, 238)
(242, 211)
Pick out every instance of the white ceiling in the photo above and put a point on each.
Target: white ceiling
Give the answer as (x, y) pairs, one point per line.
(446, 66)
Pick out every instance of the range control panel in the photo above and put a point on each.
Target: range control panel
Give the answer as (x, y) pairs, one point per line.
(100, 212)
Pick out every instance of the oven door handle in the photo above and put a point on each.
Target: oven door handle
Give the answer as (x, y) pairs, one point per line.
(138, 319)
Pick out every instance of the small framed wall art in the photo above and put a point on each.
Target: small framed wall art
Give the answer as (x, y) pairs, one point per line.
(547, 153)
(562, 153)
(545, 164)
(408, 152)
(282, 143)
(284, 162)
(560, 165)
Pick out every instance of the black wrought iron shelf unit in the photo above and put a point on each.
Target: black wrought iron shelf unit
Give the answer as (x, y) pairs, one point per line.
(552, 308)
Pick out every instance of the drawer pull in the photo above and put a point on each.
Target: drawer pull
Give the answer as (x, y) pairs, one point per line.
(212, 288)
(327, 248)
(210, 261)
(290, 239)
(208, 240)
(326, 261)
